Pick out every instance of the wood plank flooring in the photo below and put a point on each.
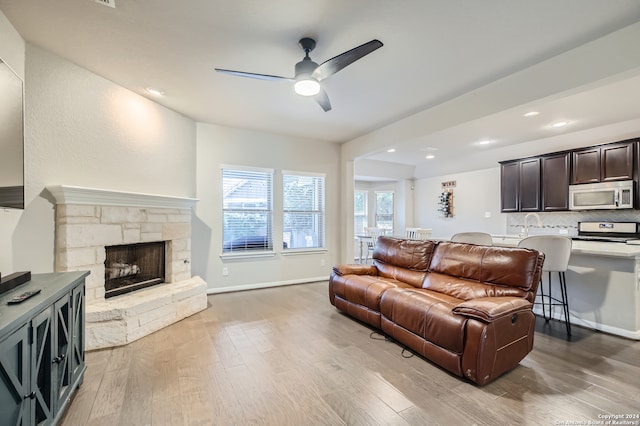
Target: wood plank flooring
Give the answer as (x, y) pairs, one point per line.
(285, 356)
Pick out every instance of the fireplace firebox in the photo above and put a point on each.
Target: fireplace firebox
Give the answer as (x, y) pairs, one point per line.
(132, 267)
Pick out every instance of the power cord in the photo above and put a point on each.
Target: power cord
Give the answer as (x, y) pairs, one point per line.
(376, 335)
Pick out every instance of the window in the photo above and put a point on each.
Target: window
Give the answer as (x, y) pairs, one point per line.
(360, 208)
(247, 209)
(303, 210)
(384, 210)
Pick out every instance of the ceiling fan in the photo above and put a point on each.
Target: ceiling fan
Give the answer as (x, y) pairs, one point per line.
(309, 74)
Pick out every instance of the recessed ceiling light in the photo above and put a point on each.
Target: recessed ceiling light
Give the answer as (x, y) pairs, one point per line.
(560, 124)
(485, 142)
(430, 156)
(531, 114)
(154, 91)
(391, 150)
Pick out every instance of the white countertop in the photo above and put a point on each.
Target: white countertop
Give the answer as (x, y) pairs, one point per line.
(594, 248)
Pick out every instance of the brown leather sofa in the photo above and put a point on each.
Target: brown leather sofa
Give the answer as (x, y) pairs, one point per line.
(465, 307)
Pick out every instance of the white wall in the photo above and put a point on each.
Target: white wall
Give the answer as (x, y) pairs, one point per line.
(83, 130)
(476, 193)
(218, 145)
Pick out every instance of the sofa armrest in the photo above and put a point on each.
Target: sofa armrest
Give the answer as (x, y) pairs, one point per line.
(355, 269)
(489, 309)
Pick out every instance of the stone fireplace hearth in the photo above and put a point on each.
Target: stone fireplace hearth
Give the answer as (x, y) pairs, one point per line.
(88, 220)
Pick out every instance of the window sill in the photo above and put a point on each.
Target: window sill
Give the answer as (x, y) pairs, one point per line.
(247, 255)
(303, 251)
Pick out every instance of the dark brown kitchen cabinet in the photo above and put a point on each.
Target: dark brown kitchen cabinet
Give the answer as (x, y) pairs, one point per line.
(555, 182)
(603, 163)
(530, 185)
(520, 186)
(509, 187)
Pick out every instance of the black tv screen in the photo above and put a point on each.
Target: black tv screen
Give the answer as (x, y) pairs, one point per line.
(11, 139)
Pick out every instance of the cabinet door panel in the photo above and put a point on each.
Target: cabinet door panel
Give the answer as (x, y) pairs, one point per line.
(509, 187)
(555, 183)
(77, 339)
(530, 185)
(42, 383)
(61, 357)
(616, 162)
(14, 378)
(586, 166)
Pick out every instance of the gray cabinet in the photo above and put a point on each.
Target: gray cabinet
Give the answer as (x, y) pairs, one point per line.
(41, 349)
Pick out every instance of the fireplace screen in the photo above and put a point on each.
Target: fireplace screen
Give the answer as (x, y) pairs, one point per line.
(131, 267)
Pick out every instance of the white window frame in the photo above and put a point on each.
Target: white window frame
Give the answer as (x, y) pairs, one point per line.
(318, 212)
(365, 213)
(393, 210)
(227, 247)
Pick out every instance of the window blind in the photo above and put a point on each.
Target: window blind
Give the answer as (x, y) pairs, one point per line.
(303, 208)
(247, 209)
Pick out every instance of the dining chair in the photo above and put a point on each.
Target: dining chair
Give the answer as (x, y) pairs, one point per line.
(418, 233)
(372, 234)
(479, 238)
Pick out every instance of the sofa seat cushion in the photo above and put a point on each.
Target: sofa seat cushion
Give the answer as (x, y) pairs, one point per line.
(364, 290)
(466, 289)
(427, 314)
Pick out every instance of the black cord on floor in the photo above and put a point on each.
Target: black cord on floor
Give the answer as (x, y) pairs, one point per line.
(411, 354)
(376, 335)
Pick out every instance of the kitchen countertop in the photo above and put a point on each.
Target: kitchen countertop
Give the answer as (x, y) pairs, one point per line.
(594, 248)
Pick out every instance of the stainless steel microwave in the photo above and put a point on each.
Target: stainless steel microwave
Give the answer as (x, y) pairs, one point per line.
(601, 196)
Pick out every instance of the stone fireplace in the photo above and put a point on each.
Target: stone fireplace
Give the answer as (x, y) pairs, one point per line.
(90, 220)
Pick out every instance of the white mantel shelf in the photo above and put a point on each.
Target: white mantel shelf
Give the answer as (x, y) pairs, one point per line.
(64, 194)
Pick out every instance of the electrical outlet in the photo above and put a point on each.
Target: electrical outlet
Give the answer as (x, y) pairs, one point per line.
(225, 272)
(322, 262)
(563, 231)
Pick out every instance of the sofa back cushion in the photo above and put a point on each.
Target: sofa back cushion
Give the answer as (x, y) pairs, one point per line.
(403, 260)
(468, 271)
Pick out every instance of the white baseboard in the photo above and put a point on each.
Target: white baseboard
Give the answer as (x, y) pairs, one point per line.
(256, 286)
(629, 334)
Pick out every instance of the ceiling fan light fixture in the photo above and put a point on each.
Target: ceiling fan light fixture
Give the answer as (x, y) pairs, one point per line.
(307, 87)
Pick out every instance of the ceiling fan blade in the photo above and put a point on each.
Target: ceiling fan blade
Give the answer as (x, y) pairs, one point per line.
(335, 64)
(323, 99)
(253, 75)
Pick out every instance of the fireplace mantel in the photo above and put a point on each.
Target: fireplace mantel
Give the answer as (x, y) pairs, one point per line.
(88, 220)
(65, 194)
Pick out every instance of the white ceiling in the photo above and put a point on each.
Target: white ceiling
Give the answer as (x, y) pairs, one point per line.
(434, 50)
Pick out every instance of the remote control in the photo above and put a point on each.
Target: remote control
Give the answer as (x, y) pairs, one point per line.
(23, 297)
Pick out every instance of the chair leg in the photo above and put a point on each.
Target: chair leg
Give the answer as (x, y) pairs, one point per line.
(549, 298)
(565, 301)
(544, 313)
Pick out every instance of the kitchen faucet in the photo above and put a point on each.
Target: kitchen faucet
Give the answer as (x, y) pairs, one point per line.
(526, 222)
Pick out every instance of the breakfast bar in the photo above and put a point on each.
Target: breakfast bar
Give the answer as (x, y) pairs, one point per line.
(603, 285)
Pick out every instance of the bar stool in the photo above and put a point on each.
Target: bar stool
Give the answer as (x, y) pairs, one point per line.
(557, 251)
(479, 238)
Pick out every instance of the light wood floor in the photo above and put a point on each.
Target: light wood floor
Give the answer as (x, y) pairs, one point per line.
(285, 356)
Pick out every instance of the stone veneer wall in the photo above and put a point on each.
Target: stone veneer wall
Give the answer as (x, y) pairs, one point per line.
(88, 220)
(83, 231)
